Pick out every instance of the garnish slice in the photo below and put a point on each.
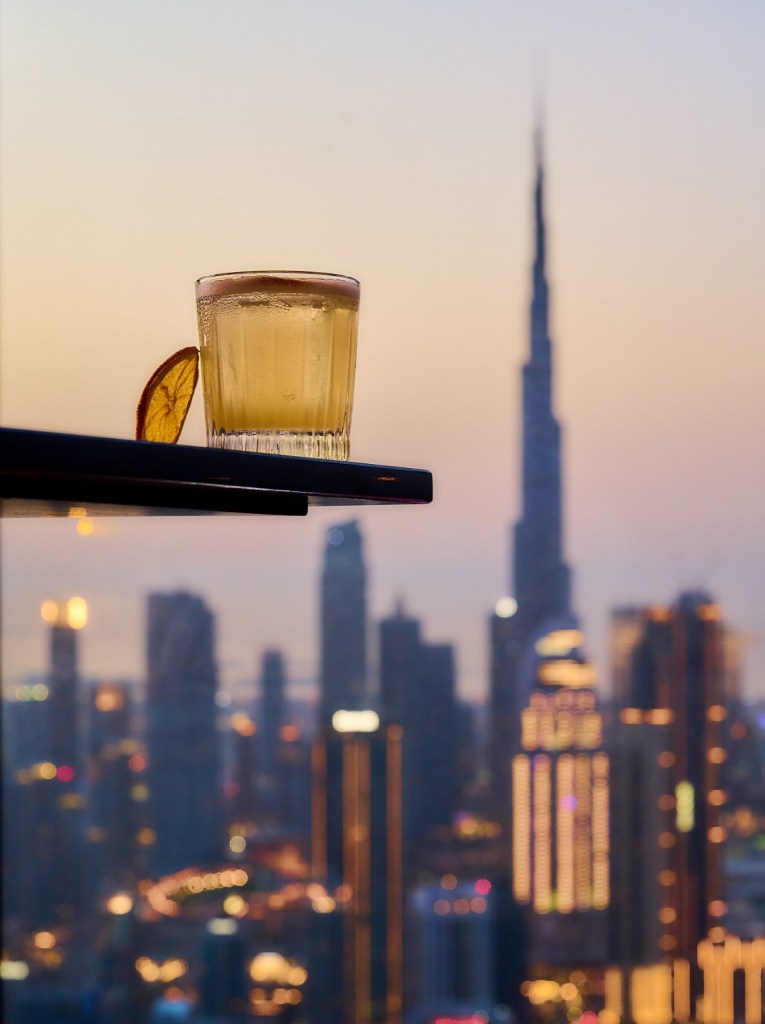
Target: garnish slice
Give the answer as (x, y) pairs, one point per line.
(167, 396)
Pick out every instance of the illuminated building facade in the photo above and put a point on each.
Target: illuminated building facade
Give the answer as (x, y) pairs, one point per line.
(357, 850)
(540, 578)
(186, 812)
(343, 625)
(561, 781)
(417, 693)
(640, 863)
(729, 990)
(671, 676)
(669, 681)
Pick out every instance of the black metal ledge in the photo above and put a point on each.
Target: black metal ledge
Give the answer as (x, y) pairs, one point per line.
(51, 474)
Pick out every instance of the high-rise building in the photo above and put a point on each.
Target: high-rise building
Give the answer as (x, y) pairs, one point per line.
(540, 579)
(181, 731)
(113, 765)
(245, 803)
(294, 760)
(356, 846)
(66, 730)
(343, 632)
(417, 692)
(273, 708)
(669, 685)
(52, 880)
(560, 799)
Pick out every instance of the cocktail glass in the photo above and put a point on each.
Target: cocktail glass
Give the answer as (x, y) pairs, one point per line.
(278, 361)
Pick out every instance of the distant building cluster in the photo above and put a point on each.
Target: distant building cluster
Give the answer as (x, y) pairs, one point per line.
(389, 853)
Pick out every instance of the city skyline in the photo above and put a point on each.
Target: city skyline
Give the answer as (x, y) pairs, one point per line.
(683, 747)
(653, 161)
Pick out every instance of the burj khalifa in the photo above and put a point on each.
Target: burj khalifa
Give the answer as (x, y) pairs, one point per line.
(540, 579)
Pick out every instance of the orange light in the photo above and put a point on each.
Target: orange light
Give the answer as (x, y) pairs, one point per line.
(109, 697)
(76, 612)
(710, 612)
(242, 724)
(521, 828)
(659, 716)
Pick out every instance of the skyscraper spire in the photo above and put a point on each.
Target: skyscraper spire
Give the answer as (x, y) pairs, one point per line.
(540, 335)
(541, 579)
(539, 576)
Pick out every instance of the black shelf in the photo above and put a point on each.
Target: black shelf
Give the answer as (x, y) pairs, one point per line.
(45, 474)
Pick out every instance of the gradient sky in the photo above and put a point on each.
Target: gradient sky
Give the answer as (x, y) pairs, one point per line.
(144, 145)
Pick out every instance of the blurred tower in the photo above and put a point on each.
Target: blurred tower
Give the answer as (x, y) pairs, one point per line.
(66, 732)
(273, 713)
(561, 807)
(343, 633)
(356, 844)
(417, 692)
(669, 685)
(245, 803)
(294, 761)
(540, 577)
(185, 802)
(52, 881)
(113, 763)
(272, 718)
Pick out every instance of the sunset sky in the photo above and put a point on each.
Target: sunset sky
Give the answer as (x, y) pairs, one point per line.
(143, 145)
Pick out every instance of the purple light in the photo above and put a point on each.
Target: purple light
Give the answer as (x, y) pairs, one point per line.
(568, 803)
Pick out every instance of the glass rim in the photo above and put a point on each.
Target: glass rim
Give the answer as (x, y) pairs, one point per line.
(285, 282)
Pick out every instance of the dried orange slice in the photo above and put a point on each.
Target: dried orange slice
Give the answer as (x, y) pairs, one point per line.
(167, 396)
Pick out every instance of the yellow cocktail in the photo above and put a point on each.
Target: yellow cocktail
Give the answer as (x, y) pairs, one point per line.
(278, 358)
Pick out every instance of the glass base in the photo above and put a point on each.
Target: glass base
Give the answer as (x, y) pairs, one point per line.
(283, 442)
